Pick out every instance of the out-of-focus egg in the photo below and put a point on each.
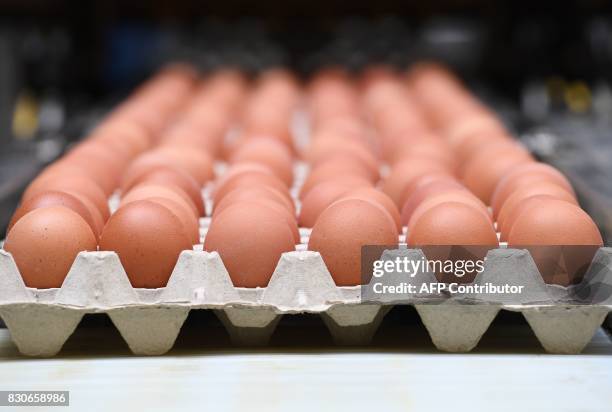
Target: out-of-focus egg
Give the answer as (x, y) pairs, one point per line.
(93, 210)
(322, 148)
(148, 238)
(248, 180)
(526, 173)
(169, 176)
(333, 169)
(269, 152)
(403, 173)
(185, 215)
(522, 193)
(424, 180)
(559, 223)
(341, 231)
(424, 191)
(255, 192)
(123, 135)
(319, 198)
(45, 242)
(536, 200)
(487, 168)
(266, 120)
(197, 163)
(147, 190)
(64, 183)
(454, 195)
(369, 193)
(55, 198)
(250, 242)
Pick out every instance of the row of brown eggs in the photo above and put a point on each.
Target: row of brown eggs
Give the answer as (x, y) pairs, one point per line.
(253, 220)
(449, 159)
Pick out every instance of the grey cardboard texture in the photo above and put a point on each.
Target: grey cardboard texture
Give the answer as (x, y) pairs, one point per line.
(40, 321)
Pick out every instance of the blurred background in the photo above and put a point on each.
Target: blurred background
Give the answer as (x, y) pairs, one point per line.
(546, 71)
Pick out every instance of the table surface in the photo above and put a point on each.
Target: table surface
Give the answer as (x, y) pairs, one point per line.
(401, 371)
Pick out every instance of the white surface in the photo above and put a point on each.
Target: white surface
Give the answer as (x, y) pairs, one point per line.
(325, 379)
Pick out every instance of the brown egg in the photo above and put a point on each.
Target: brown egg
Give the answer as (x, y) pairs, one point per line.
(96, 216)
(322, 148)
(319, 198)
(452, 223)
(278, 208)
(123, 135)
(560, 223)
(255, 192)
(102, 165)
(487, 168)
(537, 200)
(147, 190)
(428, 189)
(404, 172)
(453, 195)
(185, 134)
(66, 183)
(69, 167)
(341, 231)
(524, 192)
(526, 173)
(170, 176)
(263, 237)
(267, 120)
(269, 152)
(45, 242)
(247, 180)
(424, 180)
(185, 215)
(148, 238)
(197, 163)
(240, 168)
(374, 195)
(332, 169)
(55, 198)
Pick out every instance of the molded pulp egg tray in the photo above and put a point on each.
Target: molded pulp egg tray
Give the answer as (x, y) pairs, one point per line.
(40, 321)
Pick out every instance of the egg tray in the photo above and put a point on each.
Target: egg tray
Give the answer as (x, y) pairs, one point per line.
(40, 321)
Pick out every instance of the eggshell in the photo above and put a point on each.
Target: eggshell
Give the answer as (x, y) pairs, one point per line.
(170, 176)
(342, 229)
(319, 198)
(197, 163)
(250, 179)
(560, 223)
(45, 242)
(185, 215)
(255, 192)
(78, 184)
(250, 242)
(148, 238)
(443, 178)
(455, 195)
(526, 173)
(374, 195)
(278, 208)
(403, 173)
(269, 152)
(103, 165)
(93, 210)
(524, 192)
(430, 188)
(147, 190)
(487, 168)
(267, 120)
(55, 198)
(124, 135)
(539, 200)
(323, 148)
(333, 169)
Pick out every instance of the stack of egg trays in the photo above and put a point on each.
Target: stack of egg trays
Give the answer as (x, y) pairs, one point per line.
(40, 321)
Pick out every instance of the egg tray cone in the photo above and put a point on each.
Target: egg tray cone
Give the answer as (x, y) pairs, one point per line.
(40, 321)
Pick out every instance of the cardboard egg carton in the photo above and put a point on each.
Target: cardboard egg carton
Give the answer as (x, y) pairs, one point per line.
(40, 321)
